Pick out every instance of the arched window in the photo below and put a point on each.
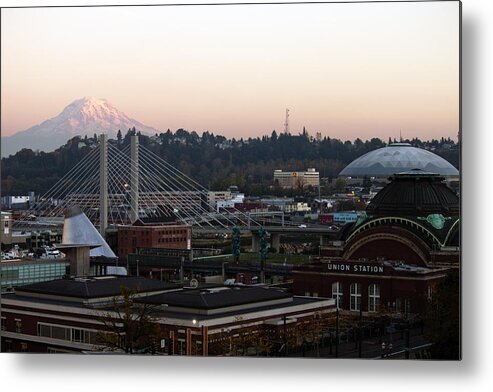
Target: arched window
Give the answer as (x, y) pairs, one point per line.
(355, 291)
(373, 297)
(337, 293)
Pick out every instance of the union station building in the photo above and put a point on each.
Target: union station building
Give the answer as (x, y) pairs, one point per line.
(395, 254)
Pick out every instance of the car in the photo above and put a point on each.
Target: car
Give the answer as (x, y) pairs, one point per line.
(302, 226)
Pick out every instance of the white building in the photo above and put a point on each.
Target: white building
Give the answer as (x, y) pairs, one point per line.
(12, 201)
(297, 207)
(230, 203)
(214, 196)
(297, 179)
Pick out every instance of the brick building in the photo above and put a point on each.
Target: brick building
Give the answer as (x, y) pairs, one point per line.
(395, 253)
(415, 219)
(369, 286)
(66, 315)
(140, 235)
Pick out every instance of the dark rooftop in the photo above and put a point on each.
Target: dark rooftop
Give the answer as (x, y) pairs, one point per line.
(216, 298)
(415, 193)
(94, 287)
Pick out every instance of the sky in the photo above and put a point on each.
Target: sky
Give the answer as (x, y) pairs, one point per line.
(356, 70)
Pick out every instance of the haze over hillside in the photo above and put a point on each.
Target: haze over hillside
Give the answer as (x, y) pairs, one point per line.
(84, 116)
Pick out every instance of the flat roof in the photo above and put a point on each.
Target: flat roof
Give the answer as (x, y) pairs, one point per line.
(166, 313)
(297, 301)
(215, 298)
(94, 287)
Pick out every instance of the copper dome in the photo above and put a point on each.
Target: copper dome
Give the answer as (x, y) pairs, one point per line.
(415, 193)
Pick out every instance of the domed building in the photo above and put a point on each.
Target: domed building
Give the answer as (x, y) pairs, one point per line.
(415, 218)
(394, 256)
(396, 158)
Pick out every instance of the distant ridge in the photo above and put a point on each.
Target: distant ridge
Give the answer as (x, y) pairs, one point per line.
(85, 116)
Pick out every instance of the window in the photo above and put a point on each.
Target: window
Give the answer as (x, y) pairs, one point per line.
(4, 323)
(60, 333)
(373, 297)
(182, 346)
(18, 325)
(407, 305)
(398, 305)
(54, 350)
(44, 330)
(337, 293)
(7, 347)
(355, 290)
(77, 335)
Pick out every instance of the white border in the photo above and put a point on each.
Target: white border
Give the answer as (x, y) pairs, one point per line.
(83, 373)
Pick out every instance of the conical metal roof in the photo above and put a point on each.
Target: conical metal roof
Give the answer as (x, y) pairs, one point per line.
(78, 230)
(396, 158)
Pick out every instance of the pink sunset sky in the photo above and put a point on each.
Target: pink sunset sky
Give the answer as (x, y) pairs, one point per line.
(346, 70)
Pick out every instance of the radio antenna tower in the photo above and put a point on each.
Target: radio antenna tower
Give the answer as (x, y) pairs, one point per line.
(286, 124)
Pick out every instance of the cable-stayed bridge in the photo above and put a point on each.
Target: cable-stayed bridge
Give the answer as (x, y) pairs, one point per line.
(116, 186)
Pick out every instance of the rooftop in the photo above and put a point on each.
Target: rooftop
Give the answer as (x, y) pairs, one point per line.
(218, 297)
(415, 193)
(94, 287)
(396, 158)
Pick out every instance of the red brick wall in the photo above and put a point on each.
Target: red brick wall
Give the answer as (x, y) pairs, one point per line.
(413, 289)
(166, 237)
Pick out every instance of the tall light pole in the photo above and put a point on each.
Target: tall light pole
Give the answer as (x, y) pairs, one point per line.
(337, 331)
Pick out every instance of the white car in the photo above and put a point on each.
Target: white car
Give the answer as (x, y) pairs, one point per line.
(302, 226)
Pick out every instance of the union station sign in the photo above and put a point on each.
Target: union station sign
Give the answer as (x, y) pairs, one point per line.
(365, 268)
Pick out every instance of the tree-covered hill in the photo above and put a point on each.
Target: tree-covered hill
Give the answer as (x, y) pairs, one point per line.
(212, 160)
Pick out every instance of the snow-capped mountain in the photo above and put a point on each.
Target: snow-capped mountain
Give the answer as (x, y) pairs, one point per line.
(85, 116)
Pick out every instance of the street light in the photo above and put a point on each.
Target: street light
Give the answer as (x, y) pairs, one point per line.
(163, 340)
(337, 330)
